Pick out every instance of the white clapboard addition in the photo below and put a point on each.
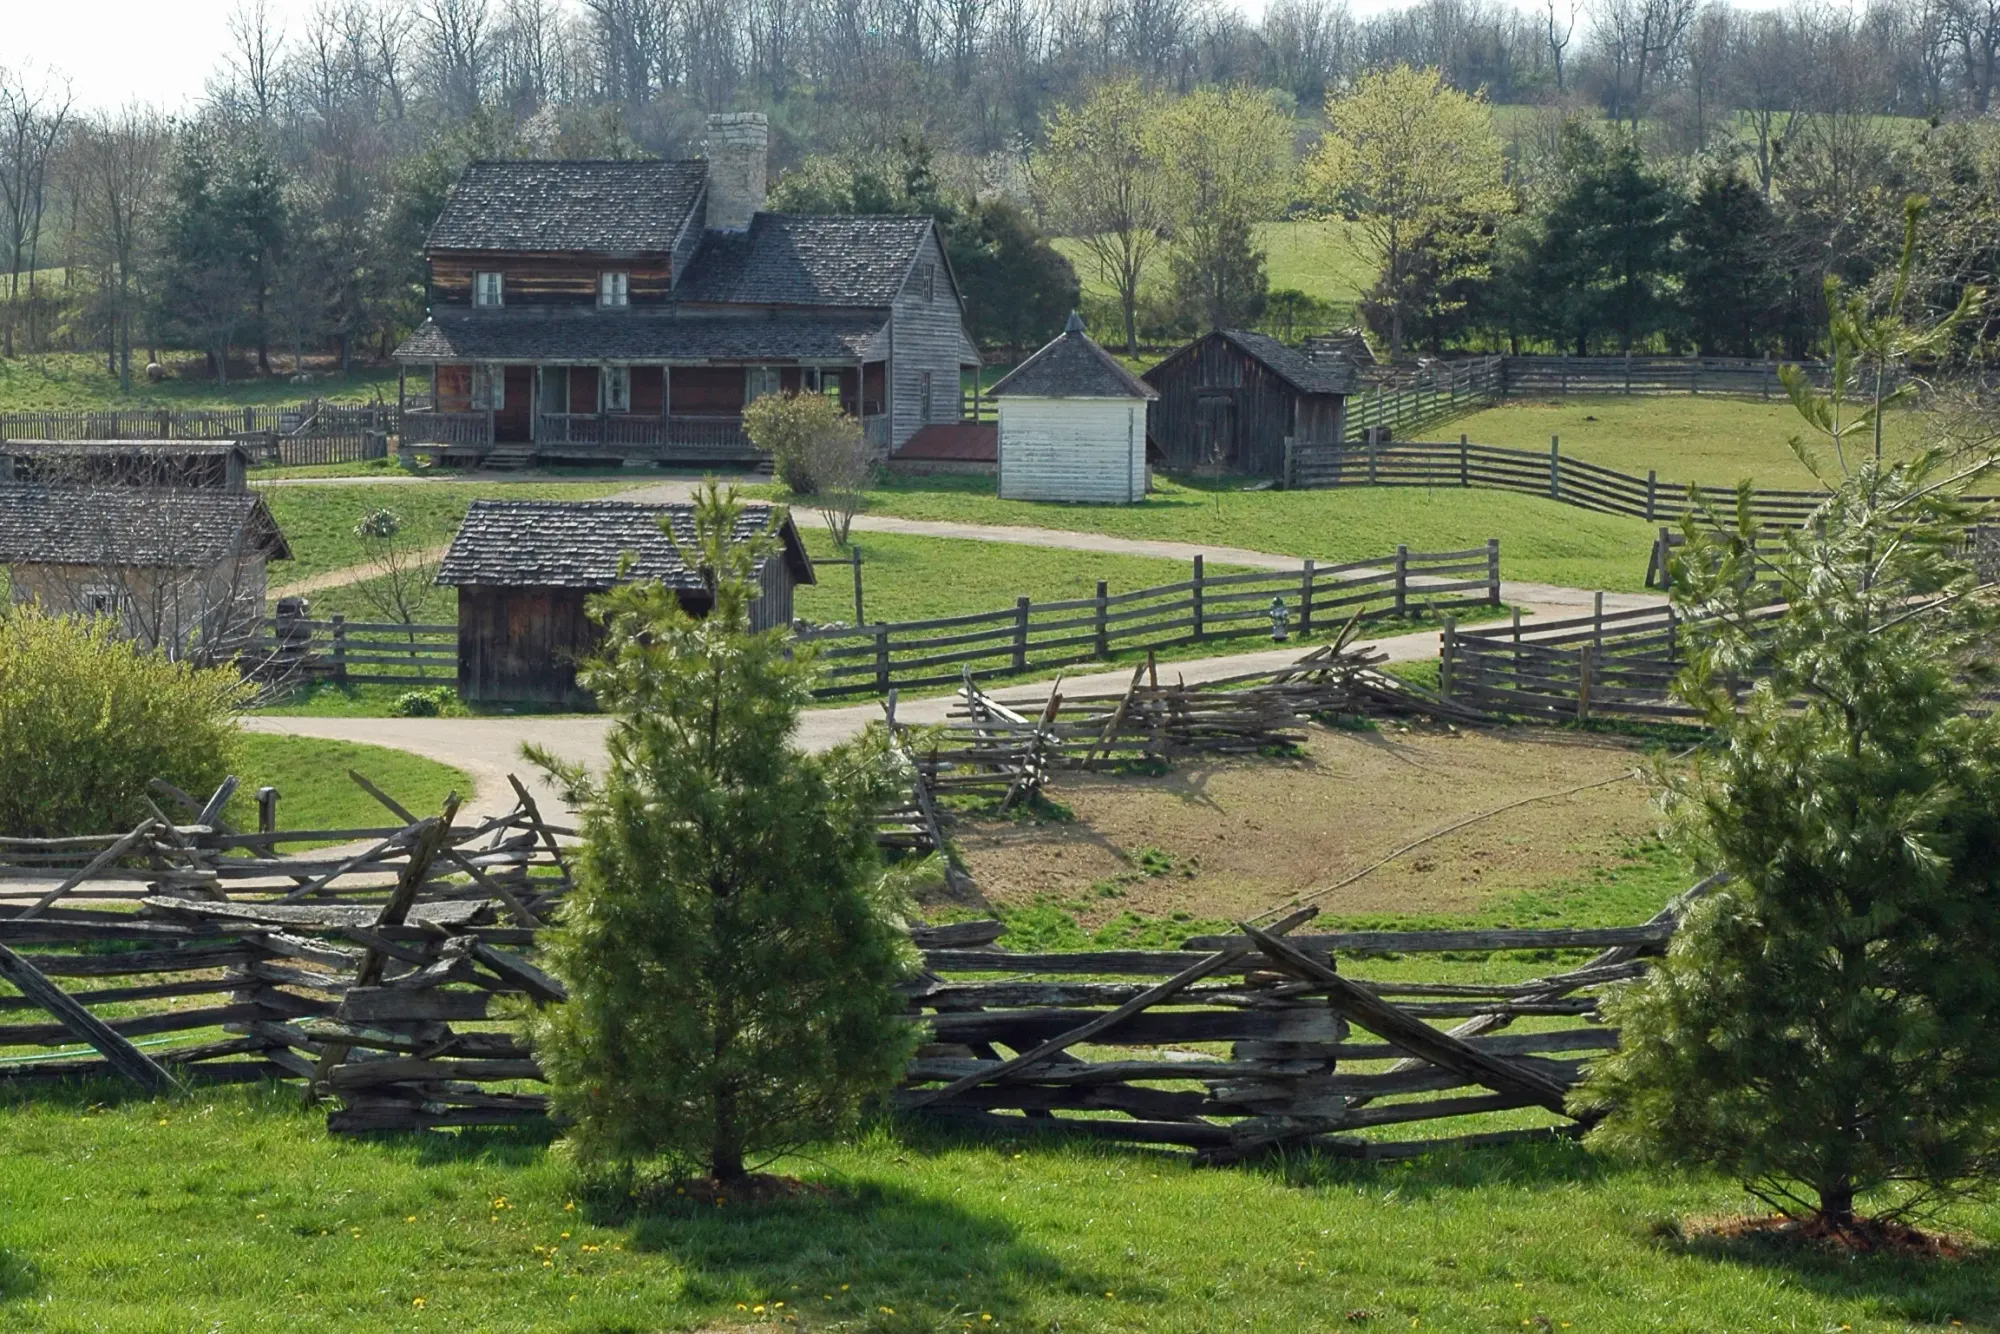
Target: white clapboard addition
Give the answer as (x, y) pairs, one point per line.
(1072, 425)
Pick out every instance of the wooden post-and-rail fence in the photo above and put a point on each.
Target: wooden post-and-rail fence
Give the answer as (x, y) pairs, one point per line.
(1038, 636)
(305, 433)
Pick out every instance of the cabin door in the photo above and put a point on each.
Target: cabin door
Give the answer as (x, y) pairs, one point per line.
(1215, 430)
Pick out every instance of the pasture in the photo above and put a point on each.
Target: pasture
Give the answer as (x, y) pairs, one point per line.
(1319, 257)
(79, 382)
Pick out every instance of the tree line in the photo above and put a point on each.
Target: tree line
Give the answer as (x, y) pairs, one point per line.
(285, 210)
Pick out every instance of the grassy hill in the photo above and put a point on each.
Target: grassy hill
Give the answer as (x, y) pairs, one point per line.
(78, 382)
(1318, 258)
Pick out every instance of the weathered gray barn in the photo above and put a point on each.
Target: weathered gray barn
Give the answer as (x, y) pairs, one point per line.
(1231, 400)
(524, 568)
(178, 569)
(1073, 425)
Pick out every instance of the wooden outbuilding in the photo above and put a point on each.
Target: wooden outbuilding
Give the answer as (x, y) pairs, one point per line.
(524, 568)
(1072, 425)
(222, 465)
(182, 570)
(1239, 402)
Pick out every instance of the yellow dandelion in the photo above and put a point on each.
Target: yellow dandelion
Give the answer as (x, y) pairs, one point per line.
(778, 1307)
(758, 1309)
(260, 1218)
(843, 1287)
(565, 1236)
(411, 1219)
(570, 1208)
(741, 1307)
(886, 1310)
(417, 1302)
(986, 1316)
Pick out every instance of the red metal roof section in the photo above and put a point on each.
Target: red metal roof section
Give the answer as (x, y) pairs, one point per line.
(961, 442)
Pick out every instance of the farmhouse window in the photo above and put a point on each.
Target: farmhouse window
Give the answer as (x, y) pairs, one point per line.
(924, 392)
(100, 600)
(613, 289)
(759, 381)
(489, 388)
(487, 290)
(617, 382)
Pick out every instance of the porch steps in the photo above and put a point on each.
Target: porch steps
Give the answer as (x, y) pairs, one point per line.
(508, 458)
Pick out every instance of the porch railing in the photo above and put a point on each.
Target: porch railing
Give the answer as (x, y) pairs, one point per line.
(429, 427)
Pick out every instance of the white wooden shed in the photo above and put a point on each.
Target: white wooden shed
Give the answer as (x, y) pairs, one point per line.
(1072, 425)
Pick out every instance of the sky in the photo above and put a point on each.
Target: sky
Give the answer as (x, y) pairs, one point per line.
(161, 51)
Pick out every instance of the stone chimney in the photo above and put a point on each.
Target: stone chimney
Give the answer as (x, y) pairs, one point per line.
(738, 146)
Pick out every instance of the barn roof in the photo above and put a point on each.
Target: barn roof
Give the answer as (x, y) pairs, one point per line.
(789, 259)
(593, 336)
(134, 526)
(582, 544)
(1072, 366)
(605, 207)
(1328, 373)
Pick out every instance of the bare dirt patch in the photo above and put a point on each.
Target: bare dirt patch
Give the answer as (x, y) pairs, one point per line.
(1229, 839)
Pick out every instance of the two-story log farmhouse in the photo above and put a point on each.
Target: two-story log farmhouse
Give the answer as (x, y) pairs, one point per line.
(631, 309)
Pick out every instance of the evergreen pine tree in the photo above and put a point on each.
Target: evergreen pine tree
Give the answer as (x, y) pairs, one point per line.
(1828, 1023)
(730, 951)
(1601, 263)
(1732, 293)
(1225, 289)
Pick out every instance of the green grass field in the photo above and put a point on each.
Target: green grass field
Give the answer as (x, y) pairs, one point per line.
(314, 791)
(1539, 539)
(1686, 438)
(232, 1209)
(1318, 258)
(75, 382)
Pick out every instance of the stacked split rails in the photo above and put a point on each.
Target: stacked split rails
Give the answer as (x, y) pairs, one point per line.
(212, 944)
(1236, 1044)
(1033, 636)
(988, 748)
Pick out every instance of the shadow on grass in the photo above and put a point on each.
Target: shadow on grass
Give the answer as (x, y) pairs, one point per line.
(1963, 1291)
(19, 1278)
(1551, 1164)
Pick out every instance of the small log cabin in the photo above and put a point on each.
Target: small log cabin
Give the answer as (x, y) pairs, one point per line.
(524, 568)
(1073, 425)
(631, 310)
(182, 570)
(1234, 402)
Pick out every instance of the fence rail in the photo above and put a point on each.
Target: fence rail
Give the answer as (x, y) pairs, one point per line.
(310, 432)
(1439, 393)
(1038, 636)
(1553, 376)
(290, 649)
(1552, 474)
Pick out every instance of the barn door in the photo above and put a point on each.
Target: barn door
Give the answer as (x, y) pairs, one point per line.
(1215, 430)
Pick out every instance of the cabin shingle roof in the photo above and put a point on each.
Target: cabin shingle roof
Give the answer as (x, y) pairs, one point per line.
(596, 336)
(134, 526)
(591, 206)
(790, 259)
(1329, 374)
(582, 544)
(1072, 366)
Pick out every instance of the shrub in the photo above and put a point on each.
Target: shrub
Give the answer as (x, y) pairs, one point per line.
(730, 950)
(434, 702)
(86, 720)
(790, 427)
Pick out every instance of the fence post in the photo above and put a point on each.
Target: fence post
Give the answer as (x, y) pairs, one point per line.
(1666, 557)
(1652, 487)
(1021, 634)
(882, 657)
(1464, 463)
(1374, 446)
(1447, 649)
(1306, 600)
(339, 647)
(1517, 641)
(1628, 371)
(1555, 467)
(267, 810)
(854, 558)
(1492, 571)
(1196, 600)
(1583, 656)
(1402, 580)
(1597, 621)
(1103, 631)
(1673, 637)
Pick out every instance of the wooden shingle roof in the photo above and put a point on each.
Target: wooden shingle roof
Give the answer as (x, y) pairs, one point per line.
(134, 526)
(790, 259)
(1072, 366)
(596, 336)
(581, 544)
(593, 206)
(1331, 374)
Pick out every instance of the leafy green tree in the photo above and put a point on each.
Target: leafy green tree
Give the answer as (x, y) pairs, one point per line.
(1228, 159)
(729, 949)
(1732, 292)
(1828, 1023)
(1600, 266)
(221, 233)
(1416, 166)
